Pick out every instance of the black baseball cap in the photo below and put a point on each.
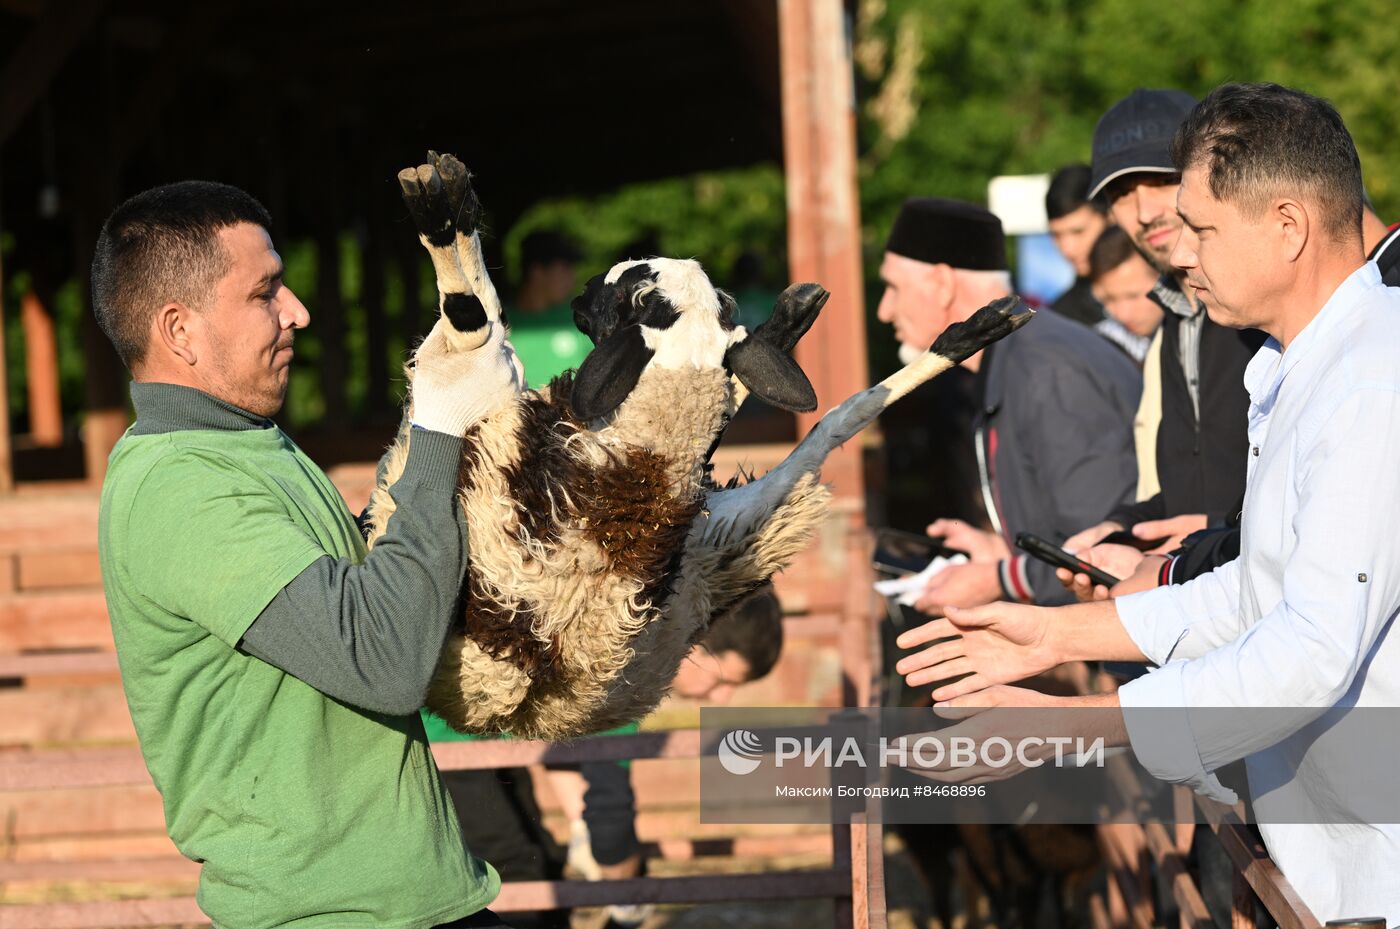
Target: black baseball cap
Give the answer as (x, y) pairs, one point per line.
(1136, 135)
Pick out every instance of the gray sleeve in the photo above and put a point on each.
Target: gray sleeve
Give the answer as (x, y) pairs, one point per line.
(370, 634)
(1084, 455)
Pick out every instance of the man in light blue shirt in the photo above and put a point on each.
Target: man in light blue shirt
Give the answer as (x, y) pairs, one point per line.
(1271, 201)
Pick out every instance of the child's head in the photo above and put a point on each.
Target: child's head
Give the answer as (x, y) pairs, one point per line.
(740, 646)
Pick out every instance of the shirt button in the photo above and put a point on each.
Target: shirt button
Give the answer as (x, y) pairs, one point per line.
(1255, 451)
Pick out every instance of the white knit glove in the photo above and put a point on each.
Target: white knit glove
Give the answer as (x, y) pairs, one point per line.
(453, 389)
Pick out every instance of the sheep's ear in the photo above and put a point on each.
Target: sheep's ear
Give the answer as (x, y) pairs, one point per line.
(771, 375)
(609, 373)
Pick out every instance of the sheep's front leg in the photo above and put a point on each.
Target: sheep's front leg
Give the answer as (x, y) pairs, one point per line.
(446, 211)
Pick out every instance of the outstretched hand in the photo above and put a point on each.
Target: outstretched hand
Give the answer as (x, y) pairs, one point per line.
(994, 644)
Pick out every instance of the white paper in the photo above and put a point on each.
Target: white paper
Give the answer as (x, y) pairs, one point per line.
(906, 590)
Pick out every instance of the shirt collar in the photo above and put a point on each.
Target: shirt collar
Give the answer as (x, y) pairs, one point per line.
(172, 408)
(1386, 243)
(1266, 370)
(1167, 292)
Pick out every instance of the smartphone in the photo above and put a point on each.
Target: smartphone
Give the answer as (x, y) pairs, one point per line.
(901, 553)
(1042, 550)
(1123, 537)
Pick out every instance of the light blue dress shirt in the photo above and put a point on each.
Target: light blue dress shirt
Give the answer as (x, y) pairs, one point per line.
(1302, 619)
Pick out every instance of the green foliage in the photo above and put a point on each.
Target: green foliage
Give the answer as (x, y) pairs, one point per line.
(712, 216)
(1016, 86)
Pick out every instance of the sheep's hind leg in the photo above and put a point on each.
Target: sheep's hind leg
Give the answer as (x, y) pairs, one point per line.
(445, 209)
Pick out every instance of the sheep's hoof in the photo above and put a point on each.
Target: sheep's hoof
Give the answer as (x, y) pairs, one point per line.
(793, 315)
(440, 198)
(993, 322)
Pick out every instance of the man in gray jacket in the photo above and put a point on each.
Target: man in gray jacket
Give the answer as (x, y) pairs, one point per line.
(1055, 405)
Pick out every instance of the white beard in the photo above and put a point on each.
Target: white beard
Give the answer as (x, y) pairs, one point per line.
(908, 354)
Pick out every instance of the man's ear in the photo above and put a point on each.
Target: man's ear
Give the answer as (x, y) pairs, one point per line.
(944, 282)
(1294, 225)
(170, 330)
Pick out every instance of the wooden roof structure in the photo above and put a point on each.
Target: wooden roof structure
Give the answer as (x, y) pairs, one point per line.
(313, 107)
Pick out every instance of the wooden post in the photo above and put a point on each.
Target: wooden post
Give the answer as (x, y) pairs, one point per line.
(1241, 902)
(819, 158)
(41, 372)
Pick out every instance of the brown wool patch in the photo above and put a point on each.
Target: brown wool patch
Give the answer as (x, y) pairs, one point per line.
(505, 634)
(545, 465)
(630, 512)
(625, 506)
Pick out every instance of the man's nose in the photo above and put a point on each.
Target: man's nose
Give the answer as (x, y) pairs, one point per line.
(882, 312)
(1183, 254)
(1148, 206)
(294, 313)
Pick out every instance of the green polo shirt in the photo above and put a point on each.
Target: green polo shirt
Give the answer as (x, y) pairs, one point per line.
(304, 811)
(547, 343)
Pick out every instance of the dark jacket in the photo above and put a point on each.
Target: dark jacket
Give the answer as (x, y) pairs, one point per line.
(1200, 465)
(1079, 304)
(1054, 439)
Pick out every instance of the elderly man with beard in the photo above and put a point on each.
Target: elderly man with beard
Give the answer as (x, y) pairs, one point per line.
(1054, 437)
(1201, 442)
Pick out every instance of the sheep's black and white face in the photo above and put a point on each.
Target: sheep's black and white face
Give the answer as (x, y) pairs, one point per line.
(682, 317)
(665, 312)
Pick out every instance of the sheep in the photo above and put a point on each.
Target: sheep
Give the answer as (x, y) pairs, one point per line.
(600, 547)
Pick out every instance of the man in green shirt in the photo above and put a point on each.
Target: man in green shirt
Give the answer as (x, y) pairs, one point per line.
(274, 670)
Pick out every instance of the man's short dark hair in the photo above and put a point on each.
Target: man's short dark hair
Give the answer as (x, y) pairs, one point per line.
(753, 629)
(1111, 249)
(545, 247)
(1068, 191)
(162, 246)
(1260, 141)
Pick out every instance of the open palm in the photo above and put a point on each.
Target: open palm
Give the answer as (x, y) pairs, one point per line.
(994, 644)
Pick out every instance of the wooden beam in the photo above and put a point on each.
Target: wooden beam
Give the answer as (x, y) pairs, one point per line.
(1253, 863)
(45, 49)
(819, 156)
(115, 914)
(41, 372)
(41, 770)
(514, 897)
